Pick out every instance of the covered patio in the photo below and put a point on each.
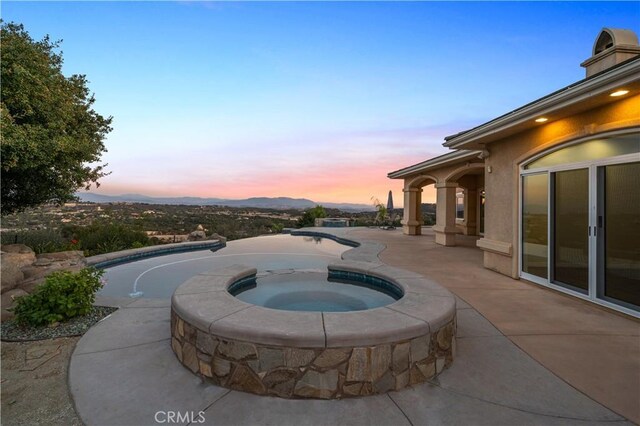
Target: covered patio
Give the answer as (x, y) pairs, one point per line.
(458, 178)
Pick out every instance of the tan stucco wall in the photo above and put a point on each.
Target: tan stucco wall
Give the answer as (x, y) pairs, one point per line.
(441, 175)
(501, 185)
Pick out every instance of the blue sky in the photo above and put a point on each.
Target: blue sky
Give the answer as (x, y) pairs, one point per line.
(316, 100)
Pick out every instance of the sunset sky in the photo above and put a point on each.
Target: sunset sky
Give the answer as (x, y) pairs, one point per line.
(314, 100)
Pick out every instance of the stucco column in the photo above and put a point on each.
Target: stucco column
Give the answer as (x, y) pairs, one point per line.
(412, 220)
(445, 228)
(471, 211)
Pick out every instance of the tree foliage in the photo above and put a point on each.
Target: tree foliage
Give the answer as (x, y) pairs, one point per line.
(309, 216)
(52, 139)
(382, 215)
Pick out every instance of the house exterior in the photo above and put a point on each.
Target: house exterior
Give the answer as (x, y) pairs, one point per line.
(552, 189)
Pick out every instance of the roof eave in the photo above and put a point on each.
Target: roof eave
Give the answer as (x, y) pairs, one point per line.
(571, 95)
(435, 162)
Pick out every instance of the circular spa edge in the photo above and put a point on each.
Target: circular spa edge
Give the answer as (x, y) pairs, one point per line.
(294, 354)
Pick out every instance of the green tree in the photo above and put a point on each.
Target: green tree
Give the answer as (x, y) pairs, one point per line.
(309, 216)
(52, 139)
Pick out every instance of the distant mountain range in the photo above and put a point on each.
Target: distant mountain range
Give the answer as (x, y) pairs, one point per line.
(280, 203)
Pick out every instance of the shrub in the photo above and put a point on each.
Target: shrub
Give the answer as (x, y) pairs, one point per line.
(64, 295)
(101, 238)
(309, 217)
(40, 240)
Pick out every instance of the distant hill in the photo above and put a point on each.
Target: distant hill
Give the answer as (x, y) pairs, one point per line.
(279, 203)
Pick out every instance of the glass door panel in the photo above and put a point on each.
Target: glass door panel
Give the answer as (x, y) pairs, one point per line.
(570, 230)
(535, 201)
(619, 232)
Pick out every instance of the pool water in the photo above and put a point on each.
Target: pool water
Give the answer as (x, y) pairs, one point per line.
(312, 291)
(158, 277)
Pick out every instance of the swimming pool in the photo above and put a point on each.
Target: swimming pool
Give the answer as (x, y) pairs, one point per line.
(158, 277)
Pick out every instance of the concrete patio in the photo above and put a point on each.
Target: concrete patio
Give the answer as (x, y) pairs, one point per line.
(525, 355)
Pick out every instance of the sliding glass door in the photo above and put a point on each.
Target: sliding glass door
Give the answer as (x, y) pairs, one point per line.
(618, 224)
(535, 204)
(580, 221)
(570, 229)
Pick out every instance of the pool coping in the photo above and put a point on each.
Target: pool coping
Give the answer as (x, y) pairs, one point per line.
(205, 302)
(124, 256)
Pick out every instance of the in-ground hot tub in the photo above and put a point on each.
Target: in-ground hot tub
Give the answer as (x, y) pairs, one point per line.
(295, 354)
(314, 291)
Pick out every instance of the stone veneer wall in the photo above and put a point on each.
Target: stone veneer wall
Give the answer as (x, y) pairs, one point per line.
(327, 373)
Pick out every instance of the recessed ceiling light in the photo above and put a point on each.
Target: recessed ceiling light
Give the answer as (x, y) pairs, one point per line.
(541, 119)
(619, 93)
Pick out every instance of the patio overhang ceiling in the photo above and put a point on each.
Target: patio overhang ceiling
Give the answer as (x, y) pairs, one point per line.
(583, 95)
(448, 159)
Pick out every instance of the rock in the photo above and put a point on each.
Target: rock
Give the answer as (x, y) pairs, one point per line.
(34, 272)
(444, 336)
(189, 333)
(270, 358)
(204, 357)
(359, 369)
(400, 358)
(9, 297)
(419, 348)
(280, 381)
(197, 236)
(440, 365)
(416, 376)
(11, 275)
(332, 357)
(189, 357)
(19, 258)
(367, 389)
(246, 380)
(427, 368)
(180, 327)
(237, 350)
(221, 367)
(43, 262)
(279, 375)
(30, 285)
(352, 390)
(254, 365)
(402, 380)
(385, 384)
(206, 343)
(6, 315)
(34, 276)
(177, 348)
(16, 248)
(205, 369)
(284, 389)
(380, 361)
(218, 237)
(76, 256)
(298, 357)
(317, 385)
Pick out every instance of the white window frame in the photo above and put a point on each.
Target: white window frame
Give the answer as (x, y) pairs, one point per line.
(592, 167)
